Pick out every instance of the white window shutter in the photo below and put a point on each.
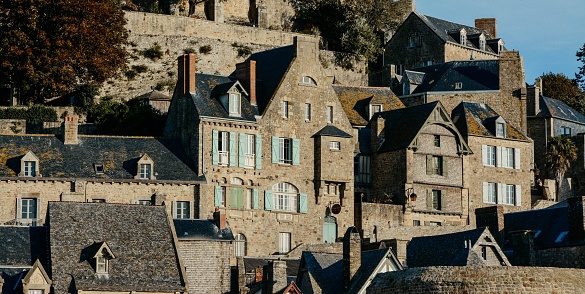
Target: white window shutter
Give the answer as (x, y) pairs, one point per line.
(485, 192)
(174, 208)
(38, 200)
(518, 195)
(500, 193)
(517, 158)
(18, 208)
(484, 159)
(499, 156)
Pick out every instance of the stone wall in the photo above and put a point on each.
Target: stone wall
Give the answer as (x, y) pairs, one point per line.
(207, 265)
(568, 257)
(454, 52)
(12, 126)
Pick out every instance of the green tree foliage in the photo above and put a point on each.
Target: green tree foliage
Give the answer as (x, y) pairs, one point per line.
(51, 46)
(36, 113)
(561, 152)
(559, 86)
(580, 76)
(132, 118)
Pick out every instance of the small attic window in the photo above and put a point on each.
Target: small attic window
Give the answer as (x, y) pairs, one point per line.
(482, 42)
(501, 130)
(29, 165)
(145, 168)
(235, 104)
(458, 86)
(99, 169)
(306, 80)
(463, 37)
(99, 256)
(375, 108)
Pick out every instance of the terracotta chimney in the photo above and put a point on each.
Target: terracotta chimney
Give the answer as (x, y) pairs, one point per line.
(70, 128)
(246, 73)
(186, 81)
(352, 255)
(219, 218)
(488, 25)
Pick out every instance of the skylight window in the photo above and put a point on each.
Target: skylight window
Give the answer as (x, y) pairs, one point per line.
(99, 169)
(561, 237)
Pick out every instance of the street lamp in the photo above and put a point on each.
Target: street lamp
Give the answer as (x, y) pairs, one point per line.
(410, 195)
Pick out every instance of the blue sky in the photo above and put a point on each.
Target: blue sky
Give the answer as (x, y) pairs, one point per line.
(547, 33)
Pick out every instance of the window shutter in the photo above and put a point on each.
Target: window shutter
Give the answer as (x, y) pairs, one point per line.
(518, 200)
(18, 208)
(303, 207)
(275, 149)
(241, 148)
(296, 156)
(485, 192)
(38, 207)
(443, 200)
(484, 159)
(499, 156)
(232, 149)
(174, 208)
(258, 151)
(517, 158)
(429, 164)
(255, 201)
(214, 148)
(445, 166)
(429, 199)
(267, 200)
(233, 198)
(500, 193)
(217, 198)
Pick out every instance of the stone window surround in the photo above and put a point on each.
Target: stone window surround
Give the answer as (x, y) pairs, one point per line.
(307, 81)
(182, 209)
(140, 172)
(26, 161)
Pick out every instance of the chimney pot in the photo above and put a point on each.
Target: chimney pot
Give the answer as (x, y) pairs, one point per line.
(187, 73)
(246, 73)
(219, 218)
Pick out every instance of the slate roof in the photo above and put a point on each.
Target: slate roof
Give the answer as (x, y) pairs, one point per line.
(201, 229)
(550, 107)
(118, 155)
(251, 263)
(370, 260)
(139, 236)
(441, 250)
(471, 118)
(414, 77)
(474, 75)
(356, 101)
(551, 222)
(332, 131)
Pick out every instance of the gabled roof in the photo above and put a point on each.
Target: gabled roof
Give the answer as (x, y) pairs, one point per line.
(471, 118)
(356, 101)
(95, 250)
(201, 229)
(140, 235)
(371, 262)
(550, 107)
(473, 75)
(118, 155)
(332, 131)
(414, 77)
(547, 223)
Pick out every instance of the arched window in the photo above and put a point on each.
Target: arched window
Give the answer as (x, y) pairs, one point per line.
(285, 196)
(306, 80)
(239, 245)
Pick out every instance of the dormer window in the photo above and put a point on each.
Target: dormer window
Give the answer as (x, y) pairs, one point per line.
(482, 42)
(306, 80)
(145, 168)
(29, 168)
(99, 256)
(101, 265)
(500, 130)
(375, 108)
(463, 37)
(458, 86)
(29, 165)
(235, 105)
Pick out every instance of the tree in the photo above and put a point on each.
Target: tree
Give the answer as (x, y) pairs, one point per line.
(52, 46)
(561, 152)
(580, 76)
(559, 86)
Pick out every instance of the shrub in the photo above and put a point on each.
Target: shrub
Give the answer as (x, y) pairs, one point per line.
(36, 113)
(153, 52)
(243, 50)
(130, 74)
(140, 68)
(166, 83)
(205, 49)
(189, 50)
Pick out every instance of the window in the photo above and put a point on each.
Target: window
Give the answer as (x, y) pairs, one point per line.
(330, 114)
(566, 131)
(143, 202)
(239, 245)
(463, 37)
(484, 252)
(436, 165)
(236, 194)
(308, 81)
(335, 145)
(285, 150)
(145, 170)
(428, 63)
(458, 86)
(481, 43)
(436, 194)
(375, 108)
(285, 109)
(490, 156)
(307, 112)
(414, 40)
(437, 140)
(182, 210)
(98, 200)
(285, 197)
(362, 169)
(99, 169)
(235, 104)
(561, 236)
(29, 208)
(249, 198)
(500, 130)
(223, 148)
(399, 69)
(491, 192)
(510, 195)
(101, 265)
(416, 223)
(283, 243)
(509, 160)
(248, 148)
(36, 291)
(332, 189)
(30, 169)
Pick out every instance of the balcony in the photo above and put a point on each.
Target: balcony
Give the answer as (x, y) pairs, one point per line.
(249, 160)
(223, 158)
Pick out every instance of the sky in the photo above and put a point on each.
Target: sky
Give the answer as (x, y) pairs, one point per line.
(547, 33)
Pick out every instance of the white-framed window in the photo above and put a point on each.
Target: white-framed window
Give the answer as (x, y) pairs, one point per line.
(334, 145)
(307, 112)
(36, 291)
(463, 37)
(458, 86)
(30, 168)
(145, 170)
(285, 197)
(182, 210)
(284, 242)
(223, 148)
(235, 105)
(330, 114)
(249, 198)
(239, 245)
(375, 108)
(332, 188)
(490, 156)
(143, 202)
(101, 265)
(306, 80)
(481, 43)
(566, 131)
(510, 195)
(509, 157)
(285, 109)
(28, 208)
(500, 130)
(285, 150)
(491, 190)
(249, 150)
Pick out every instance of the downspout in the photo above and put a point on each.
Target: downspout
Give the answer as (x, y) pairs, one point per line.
(202, 165)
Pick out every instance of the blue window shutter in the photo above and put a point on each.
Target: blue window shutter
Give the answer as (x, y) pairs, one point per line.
(241, 148)
(215, 146)
(296, 149)
(255, 200)
(217, 199)
(303, 207)
(232, 149)
(267, 200)
(275, 141)
(258, 151)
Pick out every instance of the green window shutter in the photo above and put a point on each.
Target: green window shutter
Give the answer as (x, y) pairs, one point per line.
(303, 207)
(267, 200)
(232, 149)
(217, 199)
(445, 166)
(296, 149)
(429, 164)
(241, 148)
(258, 151)
(240, 197)
(429, 199)
(275, 149)
(215, 146)
(256, 199)
(443, 200)
(233, 198)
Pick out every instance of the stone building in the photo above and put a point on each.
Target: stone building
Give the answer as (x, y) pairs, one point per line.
(274, 145)
(499, 172)
(36, 169)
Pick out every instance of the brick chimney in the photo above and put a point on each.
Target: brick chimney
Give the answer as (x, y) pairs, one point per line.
(488, 25)
(352, 255)
(219, 218)
(186, 80)
(246, 73)
(70, 128)
(275, 277)
(576, 219)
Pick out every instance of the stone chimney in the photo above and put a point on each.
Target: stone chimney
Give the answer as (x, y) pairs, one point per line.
(186, 80)
(219, 218)
(523, 244)
(70, 128)
(352, 255)
(576, 219)
(533, 98)
(377, 132)
(275, 277)
(306, 47)
(488, 25)
(493, 218)
(246, 73)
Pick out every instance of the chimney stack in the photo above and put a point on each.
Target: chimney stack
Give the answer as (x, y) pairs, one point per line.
(186, 81)
(246, 73)
(533, 98)
(70, 128)
(352, 255)
(275, 277)
(377, 135)
(493, 218)
(488, 25)
(219, 218)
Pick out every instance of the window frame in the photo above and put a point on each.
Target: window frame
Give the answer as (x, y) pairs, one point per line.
(249, 150)
(235, 104)
(373, 109)
(145, 171)
(335, 145)
(363, 169)
(437, 140)
(285, 151)
(101, 265)
(30, 168)
(223, 148)
(510, 159)
(564, 131)
(509, 195)
(285, 111)
(491, 154)
(438, 165)
(29, 208)
(492, 193)
(500, 130)
(436, 195)
(240, 245)
(284, 242)
(285, 197)
(182, 210)
(329, 114)
(307, 112)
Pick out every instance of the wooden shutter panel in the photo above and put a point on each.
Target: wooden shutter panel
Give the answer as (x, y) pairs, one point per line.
(275, 141)
(241, 148)
(429, 199)
(258, 151)
(303, 207)
(38, 209)
(18, 208)
(484, 155)
(443, 200)
(518, 200)
(233, 198)
(267, 200)
(429, 164)
(445, 166)
(174, 208)
(256, 199)
(218, 196)
(296, 149)
(215, 147)
(500, 193)
(232, 149)
(499, 158)
(485, 192)
(517, 158)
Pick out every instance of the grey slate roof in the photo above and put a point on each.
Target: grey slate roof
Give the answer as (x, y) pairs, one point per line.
(550, 107)
(471, 118)
(332, 131)
(356, 101)
(414, 77)
(118, 155)
(551, 222)
(474, 75)
(139, 236)
(201, 229)
(441, 250)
